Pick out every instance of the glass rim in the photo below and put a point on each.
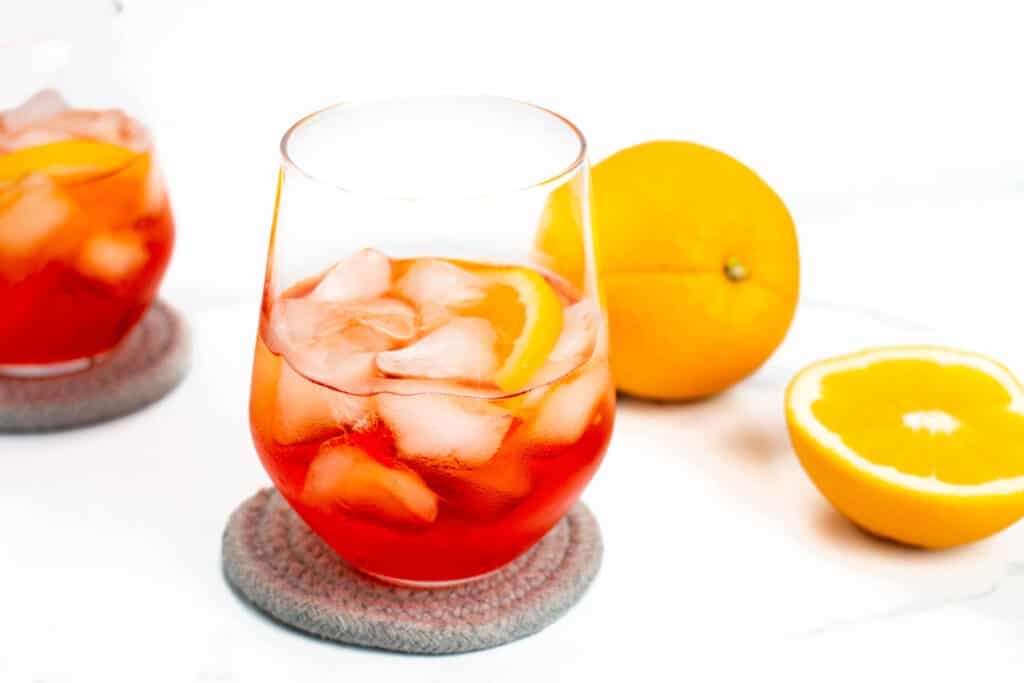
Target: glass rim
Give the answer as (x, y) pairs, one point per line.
(290, 163)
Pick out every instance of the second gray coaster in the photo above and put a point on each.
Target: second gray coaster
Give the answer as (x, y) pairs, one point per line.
(151, 361)
(277, 563)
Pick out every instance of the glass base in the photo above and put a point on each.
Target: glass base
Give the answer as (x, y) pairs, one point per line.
(50, 369)
(427, 585)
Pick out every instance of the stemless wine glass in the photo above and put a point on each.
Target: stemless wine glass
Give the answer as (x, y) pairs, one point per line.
(85, 226)
(426, 395)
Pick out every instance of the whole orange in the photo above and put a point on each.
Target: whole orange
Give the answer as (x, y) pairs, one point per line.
(698, 261)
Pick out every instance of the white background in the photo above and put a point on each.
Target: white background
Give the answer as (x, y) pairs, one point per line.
(894, 133)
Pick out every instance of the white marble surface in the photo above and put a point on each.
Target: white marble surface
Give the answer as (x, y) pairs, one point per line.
(899, 151)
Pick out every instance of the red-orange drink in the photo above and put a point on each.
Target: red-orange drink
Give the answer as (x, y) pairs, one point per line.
(85, 235)
(379, 416)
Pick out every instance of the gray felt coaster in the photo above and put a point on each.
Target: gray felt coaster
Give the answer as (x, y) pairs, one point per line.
(275, 561)
(151, 361)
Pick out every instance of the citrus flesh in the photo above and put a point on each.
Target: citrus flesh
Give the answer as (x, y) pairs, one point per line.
(924, 445)
(527, 314)
(68, 160)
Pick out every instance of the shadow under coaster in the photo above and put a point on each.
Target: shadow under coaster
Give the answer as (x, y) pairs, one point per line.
(277, 563)
(151, 361)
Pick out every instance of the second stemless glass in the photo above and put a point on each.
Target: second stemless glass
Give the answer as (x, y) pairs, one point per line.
(426, 395)
(86, 231)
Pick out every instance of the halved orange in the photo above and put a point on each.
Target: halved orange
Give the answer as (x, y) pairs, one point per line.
(920, 444)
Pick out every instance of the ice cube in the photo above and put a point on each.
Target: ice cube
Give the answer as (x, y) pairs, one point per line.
(365, 274)
(368, 339)
(343, 474)
(579, 332)
(306, 410)
(113, 257)
(337, 344)
(566, 410)
(30, 138)
(391, 317)
(298, 319)
(437, 288)
(45, 117)
(575, 344)
(334, 360)
(481, 492)
(44, 105)
(441, 282)
(108, 125)
(462, 430)
(461, 349)
(35, 221)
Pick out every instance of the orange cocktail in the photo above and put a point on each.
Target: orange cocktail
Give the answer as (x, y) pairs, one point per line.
(86, 233)
(430, 419)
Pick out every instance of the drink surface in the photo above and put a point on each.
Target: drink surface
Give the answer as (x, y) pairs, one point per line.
(85, 230)
(430, 419)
